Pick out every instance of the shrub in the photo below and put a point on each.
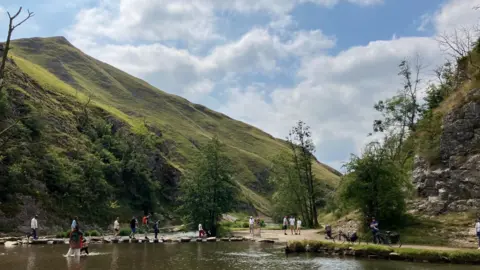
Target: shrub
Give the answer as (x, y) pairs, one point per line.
(124, 232)
(64, 234)
(92, 233)
(245, 225)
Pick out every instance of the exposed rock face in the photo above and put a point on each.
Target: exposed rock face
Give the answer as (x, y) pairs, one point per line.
(455, 184)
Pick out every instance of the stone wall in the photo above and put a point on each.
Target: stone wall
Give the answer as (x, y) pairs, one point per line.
(454, 185)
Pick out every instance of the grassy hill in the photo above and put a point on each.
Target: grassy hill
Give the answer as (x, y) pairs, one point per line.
(64, 71)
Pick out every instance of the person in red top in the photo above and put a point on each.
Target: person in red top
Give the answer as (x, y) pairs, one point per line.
(145, 225)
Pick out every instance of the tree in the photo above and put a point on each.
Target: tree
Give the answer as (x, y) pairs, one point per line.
(11, 27)
(209, 189)
(459, 43)
(293, 177)
(376, 185)
(290, 194)
(400, 113)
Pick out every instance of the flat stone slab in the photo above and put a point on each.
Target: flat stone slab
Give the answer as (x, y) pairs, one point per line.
(211, 239)
(266, 241)
(199, 239)
(236, 239)
(39, 242)
(185, 239)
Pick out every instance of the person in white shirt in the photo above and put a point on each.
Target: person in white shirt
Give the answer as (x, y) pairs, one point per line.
(285, 225)
(201, 232)
(477, 229)
(116, 227)
(34, 227)
(299, 226)
(292, 224)
(251, 222)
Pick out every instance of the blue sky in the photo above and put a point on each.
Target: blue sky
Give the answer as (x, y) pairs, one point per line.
(266, 62)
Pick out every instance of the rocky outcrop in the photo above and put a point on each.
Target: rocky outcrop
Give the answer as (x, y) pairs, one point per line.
(454, 185)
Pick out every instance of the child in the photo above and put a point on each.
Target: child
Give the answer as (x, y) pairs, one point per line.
(84, 246)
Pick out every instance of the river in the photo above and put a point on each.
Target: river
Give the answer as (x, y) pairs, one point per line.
(201, 256)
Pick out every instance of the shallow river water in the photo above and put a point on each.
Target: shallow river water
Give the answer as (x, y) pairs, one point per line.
(201, 256)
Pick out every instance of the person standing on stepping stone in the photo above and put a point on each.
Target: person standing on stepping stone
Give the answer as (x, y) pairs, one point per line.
(133, 227)
(145, 225)
(34, 227)
(116, 227)
(155, 229)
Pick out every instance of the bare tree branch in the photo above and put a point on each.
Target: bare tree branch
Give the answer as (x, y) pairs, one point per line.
(11, 28)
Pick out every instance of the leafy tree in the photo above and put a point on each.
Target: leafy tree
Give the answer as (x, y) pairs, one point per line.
(377, 185)
(209, 190)
(293, 177)
(401, 112)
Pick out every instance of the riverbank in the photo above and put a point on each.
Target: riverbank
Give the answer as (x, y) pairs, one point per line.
(461, 256)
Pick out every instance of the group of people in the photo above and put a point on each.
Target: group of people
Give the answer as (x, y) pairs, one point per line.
(134, 224)
(291, 222)
(252, 223)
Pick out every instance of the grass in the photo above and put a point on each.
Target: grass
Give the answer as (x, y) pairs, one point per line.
(412, 254)
(132, 101)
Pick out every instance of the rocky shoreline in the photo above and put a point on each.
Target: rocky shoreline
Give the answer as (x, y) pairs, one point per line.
(385, 253)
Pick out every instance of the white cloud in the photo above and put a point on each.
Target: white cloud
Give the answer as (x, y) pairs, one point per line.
(455, 14)
(334, 94)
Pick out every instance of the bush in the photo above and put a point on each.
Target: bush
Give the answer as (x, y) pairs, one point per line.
(124, 232)
(245, 225)
(92, 233)
(64, 234)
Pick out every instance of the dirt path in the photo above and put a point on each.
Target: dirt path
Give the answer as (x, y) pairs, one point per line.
(314, 235)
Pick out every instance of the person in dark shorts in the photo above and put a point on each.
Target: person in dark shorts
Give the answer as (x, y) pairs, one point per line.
(133, 227)
(285, 225)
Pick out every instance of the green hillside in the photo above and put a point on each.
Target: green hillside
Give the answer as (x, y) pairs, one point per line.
(73, 78)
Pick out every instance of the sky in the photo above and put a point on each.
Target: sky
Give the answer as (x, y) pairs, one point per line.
(268, 63)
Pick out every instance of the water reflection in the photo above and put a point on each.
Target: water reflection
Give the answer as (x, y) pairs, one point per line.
(114, 263)
(201, 256)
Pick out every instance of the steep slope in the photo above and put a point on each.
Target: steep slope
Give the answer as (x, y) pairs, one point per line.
(61, 68)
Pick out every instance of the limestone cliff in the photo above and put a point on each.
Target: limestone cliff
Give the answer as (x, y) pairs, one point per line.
(454, 184)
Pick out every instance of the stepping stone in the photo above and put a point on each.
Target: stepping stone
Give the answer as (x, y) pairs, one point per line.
(211, 239)
(224, 239)
(199, 239)
(167, 240)
(236, 239)
(39, 242)
(11, 243)
(266, 241)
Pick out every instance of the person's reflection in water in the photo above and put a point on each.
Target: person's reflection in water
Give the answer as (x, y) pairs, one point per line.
(75, 263)
(114, 263)
(32, 255)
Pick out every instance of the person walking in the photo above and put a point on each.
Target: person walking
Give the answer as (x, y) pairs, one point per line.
(477, 229)
(116, 227)
(34, 227)
(251, 223)
(133, 227)
(285, 225)
(292, 224)
(75, 242)
(201, 232)
(145, 225)
(299, 226)
(74, 223)
(155, 229)
(375, 230)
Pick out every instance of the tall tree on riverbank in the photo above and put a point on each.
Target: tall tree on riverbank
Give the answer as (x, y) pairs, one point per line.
(293, 175)
(209, 190)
